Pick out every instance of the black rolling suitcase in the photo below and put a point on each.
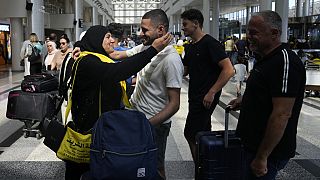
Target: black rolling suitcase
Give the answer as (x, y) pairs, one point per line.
(40, 83)
(220, 155)
(31, 108)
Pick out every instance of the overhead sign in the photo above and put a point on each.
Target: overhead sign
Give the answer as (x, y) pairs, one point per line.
(4, 27)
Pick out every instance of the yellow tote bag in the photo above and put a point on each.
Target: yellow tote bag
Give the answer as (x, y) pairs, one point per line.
(75, 147)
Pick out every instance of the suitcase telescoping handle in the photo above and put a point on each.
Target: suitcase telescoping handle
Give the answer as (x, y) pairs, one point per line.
(226, 125)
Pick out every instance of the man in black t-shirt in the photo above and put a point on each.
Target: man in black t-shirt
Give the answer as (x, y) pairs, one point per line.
(272, 101)
(242, 48)
(209, 69)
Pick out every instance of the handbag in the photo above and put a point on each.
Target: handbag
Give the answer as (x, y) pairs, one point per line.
(66, 142)
(75, 147)
(22, 62)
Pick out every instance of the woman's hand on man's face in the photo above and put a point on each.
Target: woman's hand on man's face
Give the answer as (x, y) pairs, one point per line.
(161, 42)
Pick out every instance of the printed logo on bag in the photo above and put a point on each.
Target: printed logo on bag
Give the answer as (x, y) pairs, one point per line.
(141, 172)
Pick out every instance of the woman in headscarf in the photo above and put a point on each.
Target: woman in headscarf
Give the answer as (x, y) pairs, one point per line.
(94, 76)
(51, 46)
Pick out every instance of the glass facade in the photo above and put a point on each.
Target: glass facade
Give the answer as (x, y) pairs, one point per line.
(131, 11)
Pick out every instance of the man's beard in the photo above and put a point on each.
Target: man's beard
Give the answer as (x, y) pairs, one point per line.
(147, 41)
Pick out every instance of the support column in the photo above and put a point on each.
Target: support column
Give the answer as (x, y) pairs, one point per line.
(68, 10)
(28, 25)
(206, 14)
(174, 27)
(248, 15)
(215, 19)
(171, 23)
(299, 8)
(16, 42)
(95, 18)
(183, 8)
(78, 15)
(104, 20)
(37, 16)
(265, 5)
(306, 6)
(282, 8)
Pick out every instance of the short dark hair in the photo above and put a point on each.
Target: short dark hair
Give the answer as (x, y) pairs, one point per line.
(193, 15)
(116, 30)
(157, 16)
(53, 37)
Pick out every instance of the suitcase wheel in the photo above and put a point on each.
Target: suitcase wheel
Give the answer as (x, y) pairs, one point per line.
(26, 134)
(38, 135)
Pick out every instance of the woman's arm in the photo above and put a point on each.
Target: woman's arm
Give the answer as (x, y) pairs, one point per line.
(132, 65)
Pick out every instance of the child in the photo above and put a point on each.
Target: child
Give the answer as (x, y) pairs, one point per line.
(240, 74)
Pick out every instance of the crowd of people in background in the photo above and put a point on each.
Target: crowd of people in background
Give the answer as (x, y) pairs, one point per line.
(54, 49)
(159, 82)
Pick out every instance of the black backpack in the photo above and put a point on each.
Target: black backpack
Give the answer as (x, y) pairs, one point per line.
(35, 55)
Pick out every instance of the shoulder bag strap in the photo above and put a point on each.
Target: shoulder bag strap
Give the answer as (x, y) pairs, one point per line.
(104, 58)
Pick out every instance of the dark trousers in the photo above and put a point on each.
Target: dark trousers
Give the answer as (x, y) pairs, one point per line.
(75, 170)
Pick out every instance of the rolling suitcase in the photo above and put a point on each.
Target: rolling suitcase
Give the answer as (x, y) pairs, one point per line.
(30, 108)
(39, 83)
(220, 155)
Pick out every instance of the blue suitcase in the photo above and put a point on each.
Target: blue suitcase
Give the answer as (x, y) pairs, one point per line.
(220, 155)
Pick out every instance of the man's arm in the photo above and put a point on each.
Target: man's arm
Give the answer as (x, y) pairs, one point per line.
(128, 53)
(226, 73)
(118, 55)
(277, 123)
(185, 71)
(170, 109)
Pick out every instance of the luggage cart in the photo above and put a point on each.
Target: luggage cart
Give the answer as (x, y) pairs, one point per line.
(313, 77)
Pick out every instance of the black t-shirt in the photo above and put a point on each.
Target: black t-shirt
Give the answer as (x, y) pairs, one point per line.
(202, 60)
(279, 74)
(241, 46)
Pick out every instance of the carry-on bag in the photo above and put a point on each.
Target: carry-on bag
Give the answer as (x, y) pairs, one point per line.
(30, 108)
(40, 83)
(52, 129)
(219, 154)
(123, 147)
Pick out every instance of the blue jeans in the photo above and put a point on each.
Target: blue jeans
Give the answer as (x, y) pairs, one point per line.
(274, 165)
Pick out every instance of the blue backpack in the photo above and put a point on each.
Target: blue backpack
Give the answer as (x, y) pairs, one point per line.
(123, 147)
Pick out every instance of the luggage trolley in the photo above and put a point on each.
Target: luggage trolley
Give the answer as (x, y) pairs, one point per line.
(31, 109)
(35, 101)
(312, 72)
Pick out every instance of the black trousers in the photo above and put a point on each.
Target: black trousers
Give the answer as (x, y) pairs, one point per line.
(75, 170)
